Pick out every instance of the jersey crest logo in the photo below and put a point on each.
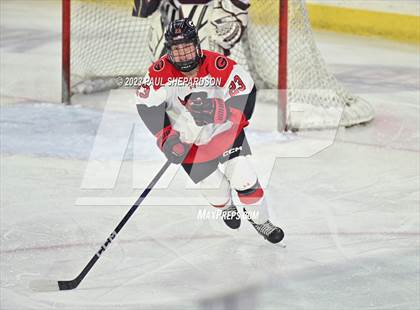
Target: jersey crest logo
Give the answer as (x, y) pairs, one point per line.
(159, 65)
(221, 62)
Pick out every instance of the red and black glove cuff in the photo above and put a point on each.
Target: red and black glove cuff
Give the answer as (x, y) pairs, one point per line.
(164, 134)
(170, 144)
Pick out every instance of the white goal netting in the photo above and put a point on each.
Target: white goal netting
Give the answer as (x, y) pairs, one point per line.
(106, 41)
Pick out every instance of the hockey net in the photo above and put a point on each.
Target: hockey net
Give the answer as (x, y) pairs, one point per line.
(106, 41)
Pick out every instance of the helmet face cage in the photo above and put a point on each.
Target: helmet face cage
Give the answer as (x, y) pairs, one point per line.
(179, 35)
(181, 50)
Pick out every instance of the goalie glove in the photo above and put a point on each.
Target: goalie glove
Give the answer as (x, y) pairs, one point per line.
(207, 110)
(229, 21)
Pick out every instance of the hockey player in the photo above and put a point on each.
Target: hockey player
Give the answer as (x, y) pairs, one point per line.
(201, 127)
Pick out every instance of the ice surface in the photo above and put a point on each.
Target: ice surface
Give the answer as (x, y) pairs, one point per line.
(349, 206)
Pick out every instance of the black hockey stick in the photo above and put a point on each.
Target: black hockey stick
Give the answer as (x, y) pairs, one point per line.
(49, 285)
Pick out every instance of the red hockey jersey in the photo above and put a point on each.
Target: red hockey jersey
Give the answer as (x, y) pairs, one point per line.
(161, 103)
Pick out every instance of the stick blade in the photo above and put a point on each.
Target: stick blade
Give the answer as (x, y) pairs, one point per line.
(44, 285)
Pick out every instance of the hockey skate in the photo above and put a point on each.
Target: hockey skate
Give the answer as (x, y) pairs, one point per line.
(269, 231)
(231, 217)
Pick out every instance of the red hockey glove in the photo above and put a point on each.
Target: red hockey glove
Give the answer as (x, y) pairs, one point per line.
(170, 144)
(207, 110)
